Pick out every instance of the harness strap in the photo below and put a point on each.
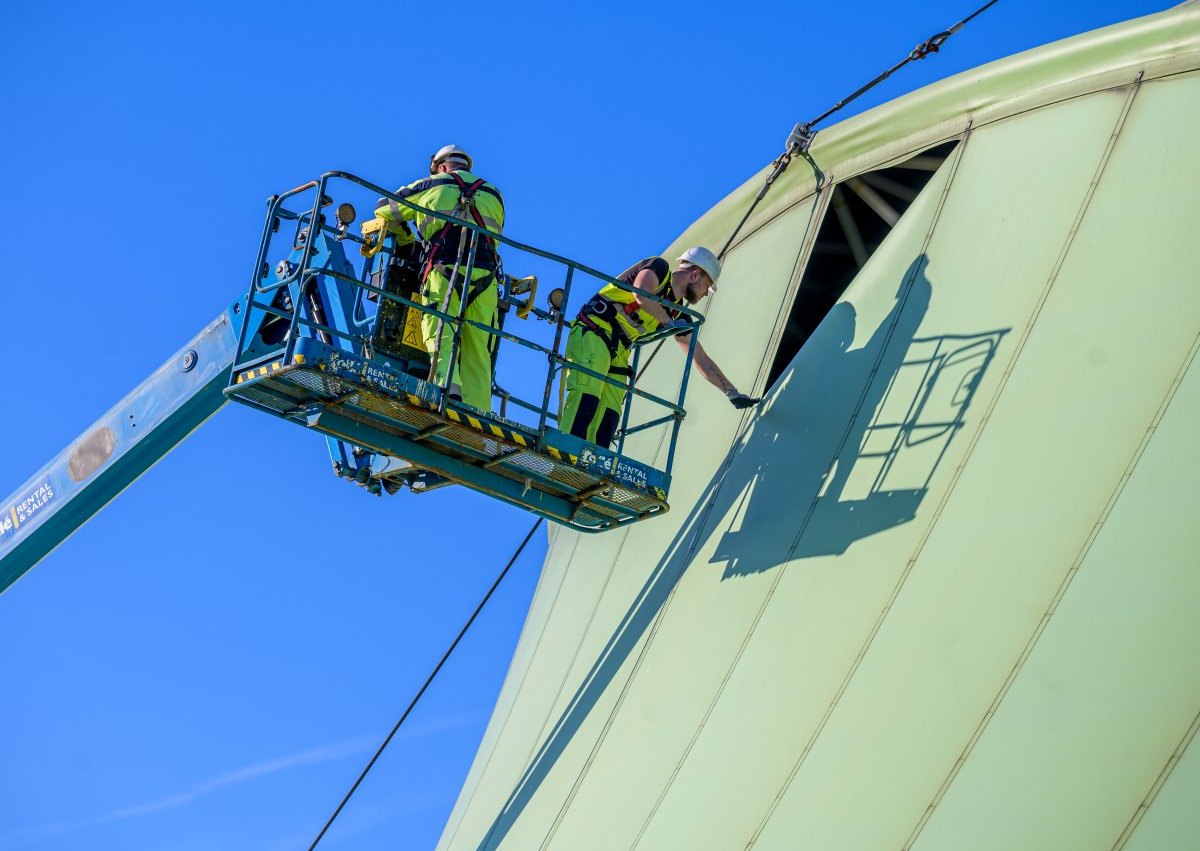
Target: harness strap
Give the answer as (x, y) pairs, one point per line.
(479, 286)
(629, 309)
(467, 194)
(612, 339)
(439, 244)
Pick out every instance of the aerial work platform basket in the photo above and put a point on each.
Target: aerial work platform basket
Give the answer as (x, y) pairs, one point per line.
(340, 351)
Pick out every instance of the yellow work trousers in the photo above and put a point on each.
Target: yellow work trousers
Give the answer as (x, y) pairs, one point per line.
(593, 407)
(473, 371)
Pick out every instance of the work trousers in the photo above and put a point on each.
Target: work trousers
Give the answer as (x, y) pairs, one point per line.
(473, 371)
(593, 407)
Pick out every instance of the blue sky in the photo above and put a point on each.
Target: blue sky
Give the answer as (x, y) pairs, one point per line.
(181, 674)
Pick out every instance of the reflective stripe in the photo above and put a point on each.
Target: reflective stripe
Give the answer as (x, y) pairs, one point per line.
(421, 186)
(430, 184)
(446, 180)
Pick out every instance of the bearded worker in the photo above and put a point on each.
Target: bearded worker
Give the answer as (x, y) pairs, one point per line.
(607, 327)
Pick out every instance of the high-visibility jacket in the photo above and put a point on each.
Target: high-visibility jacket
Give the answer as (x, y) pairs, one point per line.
(441, 192)
(615, 314)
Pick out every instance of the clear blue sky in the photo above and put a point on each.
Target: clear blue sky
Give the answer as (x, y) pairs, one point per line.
(181, 675)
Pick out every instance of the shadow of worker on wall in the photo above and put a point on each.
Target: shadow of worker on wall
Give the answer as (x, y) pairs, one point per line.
(774, 473)
(851, 437)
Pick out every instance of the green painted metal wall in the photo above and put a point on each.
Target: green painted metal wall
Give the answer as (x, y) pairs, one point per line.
(939, 590)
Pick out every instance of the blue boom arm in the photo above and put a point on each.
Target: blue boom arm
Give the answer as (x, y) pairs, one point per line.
(118, 448)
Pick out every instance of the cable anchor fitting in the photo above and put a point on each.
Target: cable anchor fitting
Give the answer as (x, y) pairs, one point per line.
(930, 45)
(800, 139)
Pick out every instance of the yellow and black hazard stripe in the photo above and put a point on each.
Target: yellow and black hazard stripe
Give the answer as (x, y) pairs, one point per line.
(562, 456)
(511, 435)
(259, 372)
(269, 369)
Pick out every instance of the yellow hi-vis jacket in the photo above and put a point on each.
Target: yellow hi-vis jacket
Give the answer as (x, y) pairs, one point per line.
(441, 192)
(614, 313)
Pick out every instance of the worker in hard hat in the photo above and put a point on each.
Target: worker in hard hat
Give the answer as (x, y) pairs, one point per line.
(451, 188)
(612, 321)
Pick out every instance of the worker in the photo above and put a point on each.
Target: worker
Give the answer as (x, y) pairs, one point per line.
(612, 321)
(452, 189)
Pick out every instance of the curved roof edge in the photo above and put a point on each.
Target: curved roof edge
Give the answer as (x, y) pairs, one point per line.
(1158, 45)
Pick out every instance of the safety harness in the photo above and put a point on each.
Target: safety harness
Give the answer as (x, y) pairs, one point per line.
(606, 309)
(442, 249)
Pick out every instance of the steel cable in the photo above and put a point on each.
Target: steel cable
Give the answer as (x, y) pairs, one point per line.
(802, 135)
(428, 681)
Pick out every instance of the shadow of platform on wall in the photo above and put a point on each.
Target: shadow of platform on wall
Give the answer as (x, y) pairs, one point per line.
(799, 463)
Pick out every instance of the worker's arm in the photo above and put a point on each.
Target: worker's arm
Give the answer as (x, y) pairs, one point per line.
(712, 373)
(394, 211)
(648, 282)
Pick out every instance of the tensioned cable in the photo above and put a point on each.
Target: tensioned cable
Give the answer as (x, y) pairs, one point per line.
(802, 135)
(429, 680)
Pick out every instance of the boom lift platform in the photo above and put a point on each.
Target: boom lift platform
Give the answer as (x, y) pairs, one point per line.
(339, 351)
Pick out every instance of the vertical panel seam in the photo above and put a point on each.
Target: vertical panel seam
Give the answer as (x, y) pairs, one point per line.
(959, 153)
(1119, 487)
(519, 688)
(816, 218)
(1068, 577)
(701, 524)
(575, 656)
(542, 737)
(627, 684)
(1156, 787)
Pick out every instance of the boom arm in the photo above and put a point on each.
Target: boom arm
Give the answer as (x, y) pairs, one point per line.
(118, 448)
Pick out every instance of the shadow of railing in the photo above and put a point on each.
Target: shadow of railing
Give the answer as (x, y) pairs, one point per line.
(900, 437)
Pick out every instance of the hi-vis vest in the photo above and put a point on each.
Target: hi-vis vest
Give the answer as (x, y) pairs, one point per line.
(614, 313)
(442, 192)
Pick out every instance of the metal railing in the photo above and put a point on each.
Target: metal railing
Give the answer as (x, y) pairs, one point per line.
(302, 274)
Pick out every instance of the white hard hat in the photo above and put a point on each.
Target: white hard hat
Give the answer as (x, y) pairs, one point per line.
(450, 152)
(706, 260)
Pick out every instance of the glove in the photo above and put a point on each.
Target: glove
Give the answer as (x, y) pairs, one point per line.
(680, 326)
(740, 400)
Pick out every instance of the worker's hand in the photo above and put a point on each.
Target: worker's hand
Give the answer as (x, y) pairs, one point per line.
(740, 400)
(679, 326)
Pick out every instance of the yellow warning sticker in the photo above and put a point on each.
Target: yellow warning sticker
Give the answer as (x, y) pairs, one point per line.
(412, 329)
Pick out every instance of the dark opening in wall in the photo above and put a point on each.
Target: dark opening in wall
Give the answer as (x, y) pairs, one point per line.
(862, 212)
